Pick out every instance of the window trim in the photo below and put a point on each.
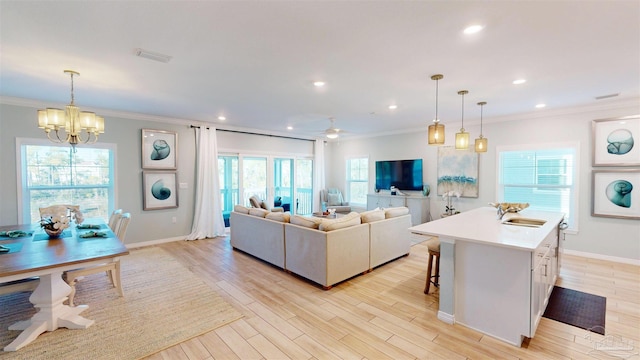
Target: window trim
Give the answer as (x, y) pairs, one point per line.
(20, 195)
(574, 226)
(348, 181)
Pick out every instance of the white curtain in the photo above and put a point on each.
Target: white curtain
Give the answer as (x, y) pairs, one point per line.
(207, 217)
(318, 177)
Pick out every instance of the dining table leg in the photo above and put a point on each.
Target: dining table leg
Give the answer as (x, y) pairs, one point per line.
(48, 299)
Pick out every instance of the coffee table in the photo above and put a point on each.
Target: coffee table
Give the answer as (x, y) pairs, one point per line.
(48, 259)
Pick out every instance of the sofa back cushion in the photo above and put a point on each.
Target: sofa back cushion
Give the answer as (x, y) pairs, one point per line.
(350, 219)
(241, 209)
(395, 212)
(279, 216)
(258, 212)
(306, 221)
(372, 215)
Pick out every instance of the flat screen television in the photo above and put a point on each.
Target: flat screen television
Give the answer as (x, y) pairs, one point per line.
(403, 174)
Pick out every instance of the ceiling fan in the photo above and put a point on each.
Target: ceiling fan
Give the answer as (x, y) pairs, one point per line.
(332, 132)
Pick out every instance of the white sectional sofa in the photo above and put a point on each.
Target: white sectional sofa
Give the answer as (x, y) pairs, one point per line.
(325, 251)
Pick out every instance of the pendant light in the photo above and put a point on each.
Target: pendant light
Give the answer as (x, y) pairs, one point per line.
(462, 138)
(436, 130)
(481, 142)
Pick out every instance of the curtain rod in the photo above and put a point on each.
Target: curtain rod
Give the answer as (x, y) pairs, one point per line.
(253, 133)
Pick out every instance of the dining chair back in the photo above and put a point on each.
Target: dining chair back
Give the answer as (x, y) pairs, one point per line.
(112, 267)
(114, 218)
(123, 224)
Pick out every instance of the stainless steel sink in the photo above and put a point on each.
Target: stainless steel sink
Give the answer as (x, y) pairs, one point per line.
(521, 221)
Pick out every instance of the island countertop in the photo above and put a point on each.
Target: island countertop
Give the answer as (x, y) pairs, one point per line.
(482, 225)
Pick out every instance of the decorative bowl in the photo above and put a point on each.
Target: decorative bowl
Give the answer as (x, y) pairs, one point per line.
(53, 233)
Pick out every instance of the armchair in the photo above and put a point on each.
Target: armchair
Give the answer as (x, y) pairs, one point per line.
(257, 203)
(332, 198)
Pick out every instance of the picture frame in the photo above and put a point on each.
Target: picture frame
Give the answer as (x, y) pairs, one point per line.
(159, 190)
(159, 149)
(616, 141)
(616, 193)
(458, 171)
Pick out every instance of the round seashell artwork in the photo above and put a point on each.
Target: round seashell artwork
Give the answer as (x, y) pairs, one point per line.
(619, 193)
(161, 150)
(619, 142)
(159, 191)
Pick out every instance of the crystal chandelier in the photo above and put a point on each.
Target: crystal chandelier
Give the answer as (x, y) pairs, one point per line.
(68, 124)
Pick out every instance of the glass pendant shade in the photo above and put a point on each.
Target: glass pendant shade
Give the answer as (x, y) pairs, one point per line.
(481, 142)
(462, 140)
(436, 130)
(462, 137)
(436, 134)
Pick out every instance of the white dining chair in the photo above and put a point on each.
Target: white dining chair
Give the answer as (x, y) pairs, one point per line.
(114, 218)
(112, 268)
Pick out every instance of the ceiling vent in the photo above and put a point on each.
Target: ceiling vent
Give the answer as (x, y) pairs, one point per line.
(153, 55)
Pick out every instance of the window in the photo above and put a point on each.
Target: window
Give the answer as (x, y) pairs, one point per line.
(357, 180)
(543, 176)
(56, 174)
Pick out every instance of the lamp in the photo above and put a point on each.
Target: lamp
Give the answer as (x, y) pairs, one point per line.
(462, 138)
(436, 130)
(481, 142)
(72, 120)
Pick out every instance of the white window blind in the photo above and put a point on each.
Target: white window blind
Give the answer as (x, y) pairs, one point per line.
(357, 180)
(545, 177)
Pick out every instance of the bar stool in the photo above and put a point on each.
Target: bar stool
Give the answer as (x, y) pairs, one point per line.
(434, 251)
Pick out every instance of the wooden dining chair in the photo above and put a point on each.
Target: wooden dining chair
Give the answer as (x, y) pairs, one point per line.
(112, 268)
(114, 218)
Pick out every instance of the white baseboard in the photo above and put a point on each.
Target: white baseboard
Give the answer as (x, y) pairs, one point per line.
(162, 241)
(447, 318)
(603, 257)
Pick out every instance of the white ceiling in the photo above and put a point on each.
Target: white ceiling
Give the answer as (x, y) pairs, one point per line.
(255, 62)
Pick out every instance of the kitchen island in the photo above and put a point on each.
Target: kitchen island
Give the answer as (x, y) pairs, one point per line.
(496, 278)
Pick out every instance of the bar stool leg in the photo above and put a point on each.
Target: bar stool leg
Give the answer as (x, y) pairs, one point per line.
(427, 285)
(437, 275)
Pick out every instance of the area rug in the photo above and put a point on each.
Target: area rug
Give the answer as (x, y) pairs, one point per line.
(577, 308)
(164, 304)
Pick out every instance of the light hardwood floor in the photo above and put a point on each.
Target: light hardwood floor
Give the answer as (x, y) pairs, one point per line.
(381, 315)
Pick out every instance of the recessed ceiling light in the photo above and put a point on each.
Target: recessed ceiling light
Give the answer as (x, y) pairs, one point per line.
(289, 127)
(222, 118)
(318, 83)
(519, 81)
(473, 29)
(540, 106)
(393, 107)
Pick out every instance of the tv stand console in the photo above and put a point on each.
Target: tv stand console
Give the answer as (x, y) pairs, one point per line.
(418, 205)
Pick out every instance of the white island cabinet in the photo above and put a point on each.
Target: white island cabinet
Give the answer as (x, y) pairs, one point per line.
(495, 278)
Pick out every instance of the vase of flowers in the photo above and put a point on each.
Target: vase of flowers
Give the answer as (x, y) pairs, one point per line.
(54, 219)
(448, 197)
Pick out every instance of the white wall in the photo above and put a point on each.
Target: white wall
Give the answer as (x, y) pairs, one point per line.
(617, 238)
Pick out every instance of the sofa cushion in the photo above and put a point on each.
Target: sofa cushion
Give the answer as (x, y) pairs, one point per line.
(258, 212)
(310, 222)
(241, 209)
(372, 215)
(395, 211)
(350, 219)
(279, 216)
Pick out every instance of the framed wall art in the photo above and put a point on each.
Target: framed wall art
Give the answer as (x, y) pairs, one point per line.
(159, 149)
(616, 193)
(616, 142)
(458, 171)
(159, 190)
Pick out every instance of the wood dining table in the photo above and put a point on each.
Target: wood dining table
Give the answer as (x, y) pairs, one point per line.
(37, 255)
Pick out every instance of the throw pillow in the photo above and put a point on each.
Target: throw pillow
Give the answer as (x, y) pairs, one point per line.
(372, 215)
(309, 222)
(258, 212)
(351, 219)
(279, 216)
(333, 199)
(395, 211)
(241, 209)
